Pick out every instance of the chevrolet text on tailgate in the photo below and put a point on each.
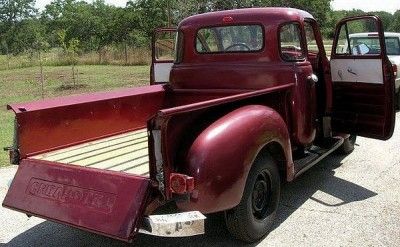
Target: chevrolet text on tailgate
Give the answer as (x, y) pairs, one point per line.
(239, 102)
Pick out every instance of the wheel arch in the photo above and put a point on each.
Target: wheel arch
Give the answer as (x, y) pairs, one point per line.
(220, 158)
(276, 151)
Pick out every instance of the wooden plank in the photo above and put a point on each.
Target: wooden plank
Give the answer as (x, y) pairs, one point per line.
(97, 157)
(105, 142)
(130, 167)
(126, 153)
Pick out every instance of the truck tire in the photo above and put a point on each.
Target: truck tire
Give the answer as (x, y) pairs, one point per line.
(253, 217)
(348, 145)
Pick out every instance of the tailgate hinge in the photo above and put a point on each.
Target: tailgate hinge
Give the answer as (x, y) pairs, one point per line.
(14, 155)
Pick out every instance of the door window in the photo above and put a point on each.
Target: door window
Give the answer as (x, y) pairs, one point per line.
(165, 46)
(358, 38)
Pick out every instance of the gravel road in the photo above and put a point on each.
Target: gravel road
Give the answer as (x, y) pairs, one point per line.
(343, 201)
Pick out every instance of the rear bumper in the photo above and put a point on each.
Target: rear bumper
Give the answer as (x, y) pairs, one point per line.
(105, 202)
(174, 225)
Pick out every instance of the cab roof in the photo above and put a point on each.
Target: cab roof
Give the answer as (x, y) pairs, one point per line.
(248, 15)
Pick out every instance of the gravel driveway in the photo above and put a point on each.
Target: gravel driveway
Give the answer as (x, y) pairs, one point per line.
(343, 201)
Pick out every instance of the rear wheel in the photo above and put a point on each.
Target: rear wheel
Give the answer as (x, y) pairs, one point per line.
(348, 145)
(256, 212)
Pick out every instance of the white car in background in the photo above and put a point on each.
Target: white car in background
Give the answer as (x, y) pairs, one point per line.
(368, 43)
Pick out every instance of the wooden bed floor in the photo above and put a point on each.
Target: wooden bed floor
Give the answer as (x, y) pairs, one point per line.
(127, 152)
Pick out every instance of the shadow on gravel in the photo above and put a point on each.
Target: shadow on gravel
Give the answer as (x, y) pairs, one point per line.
(295, 194)
(320, 178)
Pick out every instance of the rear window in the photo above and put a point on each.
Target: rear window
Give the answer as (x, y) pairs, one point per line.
(226, 39)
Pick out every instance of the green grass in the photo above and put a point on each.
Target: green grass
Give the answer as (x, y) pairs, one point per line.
(21, 85)
(55, 57)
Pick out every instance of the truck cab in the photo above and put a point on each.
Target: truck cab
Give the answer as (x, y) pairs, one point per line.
(230, 53)
(239, 101)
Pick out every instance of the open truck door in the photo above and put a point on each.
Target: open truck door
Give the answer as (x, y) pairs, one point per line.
(363, 80)
(163, 55)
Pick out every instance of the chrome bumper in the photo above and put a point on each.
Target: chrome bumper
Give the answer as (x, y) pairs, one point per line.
(174, 225)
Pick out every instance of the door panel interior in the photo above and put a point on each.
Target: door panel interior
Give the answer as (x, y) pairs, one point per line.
(361, 70)
(161, 72)
(363, 81)
(359, 110)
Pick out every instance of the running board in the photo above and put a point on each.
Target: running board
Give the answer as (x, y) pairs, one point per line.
(315, 155)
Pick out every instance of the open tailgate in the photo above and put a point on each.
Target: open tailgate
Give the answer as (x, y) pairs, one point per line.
(106, 202)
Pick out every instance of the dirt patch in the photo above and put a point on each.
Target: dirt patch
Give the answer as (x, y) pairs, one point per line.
(70, 87)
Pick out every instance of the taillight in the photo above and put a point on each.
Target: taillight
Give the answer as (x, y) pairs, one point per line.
(180, 183)
(394, 69)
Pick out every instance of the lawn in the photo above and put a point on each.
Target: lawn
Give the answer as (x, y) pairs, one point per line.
(21, 85)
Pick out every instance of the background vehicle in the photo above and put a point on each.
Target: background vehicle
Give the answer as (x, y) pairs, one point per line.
(247, 104)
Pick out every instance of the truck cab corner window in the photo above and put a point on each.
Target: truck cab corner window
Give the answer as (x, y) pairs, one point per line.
(290, 42)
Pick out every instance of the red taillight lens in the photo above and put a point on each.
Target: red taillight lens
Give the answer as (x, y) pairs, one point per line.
(394, 69)
(180, 183)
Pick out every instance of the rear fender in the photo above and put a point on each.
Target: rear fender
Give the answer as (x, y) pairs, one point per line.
(221, 156)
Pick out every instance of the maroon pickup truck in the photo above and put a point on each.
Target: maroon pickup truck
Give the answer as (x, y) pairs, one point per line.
(250, 100)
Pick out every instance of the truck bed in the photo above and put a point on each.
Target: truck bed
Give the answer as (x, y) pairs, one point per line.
(126, 152)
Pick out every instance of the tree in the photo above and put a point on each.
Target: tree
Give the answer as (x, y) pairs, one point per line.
(386, 18)
(12, 11)
(123, 29)
(395, 26)
(89, 23)
(70, 50)
(328, 29)
(15, 18)
(150, 13)
(318, 8)
(99, 26)
(40, 45)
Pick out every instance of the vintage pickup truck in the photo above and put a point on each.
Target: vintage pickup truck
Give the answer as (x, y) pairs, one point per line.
(249, 101)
